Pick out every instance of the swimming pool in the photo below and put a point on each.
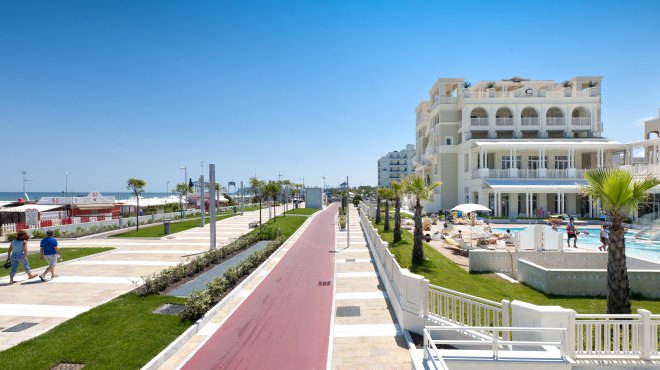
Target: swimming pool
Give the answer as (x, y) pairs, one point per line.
(634, 248)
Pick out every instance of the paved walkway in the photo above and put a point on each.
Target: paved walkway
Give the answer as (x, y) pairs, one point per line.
(85, 284)
(372, 340)
(282, 321)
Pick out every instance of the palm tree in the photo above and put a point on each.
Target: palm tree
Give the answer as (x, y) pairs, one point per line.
(618, 192)
(387, 194)
(377, 205)
(416, 186)
(397, 192)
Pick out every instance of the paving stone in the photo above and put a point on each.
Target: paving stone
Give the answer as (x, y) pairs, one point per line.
(348, 311)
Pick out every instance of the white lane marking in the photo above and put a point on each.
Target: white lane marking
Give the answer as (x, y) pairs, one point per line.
(82, 279)
(131, 263)
(41, 310)
(367, 330)
(157, 251)
(357, 260)
(362, 295)
(358, 274)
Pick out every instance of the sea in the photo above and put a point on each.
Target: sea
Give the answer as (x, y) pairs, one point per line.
(119, 195)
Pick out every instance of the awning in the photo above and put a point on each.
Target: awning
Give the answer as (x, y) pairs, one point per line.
(94, 206)
(22, 208)
(539, 186)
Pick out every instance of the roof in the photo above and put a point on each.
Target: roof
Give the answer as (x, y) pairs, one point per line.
(545, 186)
(22, 208)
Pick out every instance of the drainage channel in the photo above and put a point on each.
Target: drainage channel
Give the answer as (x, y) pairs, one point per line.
(200, 282)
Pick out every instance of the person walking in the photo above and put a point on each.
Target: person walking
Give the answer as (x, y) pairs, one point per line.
(17, 253)
(571, 232)
(49, 250)
(603, 239)
(602, 217)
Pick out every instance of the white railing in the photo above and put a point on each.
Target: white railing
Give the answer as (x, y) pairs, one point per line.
(529, 121)
(444, 100)
(431, 351)
(528, 174)
(554, 121)
(503, 121)
(577, 94)
(580, 173)
(616, 335)
(504, 94)
(581, 121)
(645, 169)
(483, 94)
(557, 174)
(498, 174)
(479, 121)
(467, 310)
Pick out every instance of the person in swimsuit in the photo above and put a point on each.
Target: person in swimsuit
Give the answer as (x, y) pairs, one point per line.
(604, 236)
(571, 232)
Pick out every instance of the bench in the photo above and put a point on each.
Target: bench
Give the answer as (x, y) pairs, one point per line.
(254, 224)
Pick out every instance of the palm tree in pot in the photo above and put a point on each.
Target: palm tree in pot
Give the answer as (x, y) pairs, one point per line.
(618, 192)
(397, 193)
(417, 187)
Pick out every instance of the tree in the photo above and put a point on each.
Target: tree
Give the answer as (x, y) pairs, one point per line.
(387, 194)
(397, 193)
(257, 187)
(136, 186)
(357, 199)
(272, 189)
(618, 192)
(377, 205)
(417, 187)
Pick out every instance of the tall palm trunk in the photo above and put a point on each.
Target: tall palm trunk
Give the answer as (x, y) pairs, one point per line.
(377, 210)
(387, 215)
(397, 220)
(418, 250)
(618, 285)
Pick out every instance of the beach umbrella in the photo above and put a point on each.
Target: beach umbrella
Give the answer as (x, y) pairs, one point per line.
(468, 208)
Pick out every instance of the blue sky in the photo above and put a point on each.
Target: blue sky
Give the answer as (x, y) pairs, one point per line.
(119, 89)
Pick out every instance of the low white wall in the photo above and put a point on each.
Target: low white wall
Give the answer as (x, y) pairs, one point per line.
(584, 282)
(500, 261)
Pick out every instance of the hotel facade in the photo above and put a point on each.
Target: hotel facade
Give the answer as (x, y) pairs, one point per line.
(395, 165)
(519, 145)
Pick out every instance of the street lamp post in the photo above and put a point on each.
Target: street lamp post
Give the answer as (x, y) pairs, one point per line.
(167, 192)
(185, 179)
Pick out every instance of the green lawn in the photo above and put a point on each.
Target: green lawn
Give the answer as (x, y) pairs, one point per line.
(67, 253)
(445, 273)
(158, 231)
(120, 334)
(289, 225)
(302, 211)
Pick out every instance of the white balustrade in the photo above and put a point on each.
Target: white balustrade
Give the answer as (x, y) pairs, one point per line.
(503, 121)
(554, 94)
(498, 174)
(554, 121)
(528, 174)
(529, 121)
(479, 94)
(581, 121)
(557, 174)
(479, 121)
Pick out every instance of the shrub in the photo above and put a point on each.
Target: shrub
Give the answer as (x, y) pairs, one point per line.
(56, 233)
(197, 304)
(10, 237)
(231, 275)
(38, 234)
(342, 222)
(217, 286)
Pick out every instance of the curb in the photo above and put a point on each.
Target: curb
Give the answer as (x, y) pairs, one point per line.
(167, 353)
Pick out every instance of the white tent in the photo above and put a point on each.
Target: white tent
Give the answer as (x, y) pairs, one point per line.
(470, 207)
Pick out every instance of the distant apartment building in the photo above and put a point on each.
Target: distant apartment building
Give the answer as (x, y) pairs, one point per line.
(395, 165)
(518, 145)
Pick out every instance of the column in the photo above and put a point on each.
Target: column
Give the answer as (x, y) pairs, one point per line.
(591, 206)
(491, 123)
(485, 157)
(511, 157)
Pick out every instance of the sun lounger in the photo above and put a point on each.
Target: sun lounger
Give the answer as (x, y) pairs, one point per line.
(464, 247)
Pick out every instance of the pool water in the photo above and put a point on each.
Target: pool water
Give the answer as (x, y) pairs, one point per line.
(635, 248)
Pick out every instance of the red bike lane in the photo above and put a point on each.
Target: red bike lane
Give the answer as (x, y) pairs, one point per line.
(285, 322)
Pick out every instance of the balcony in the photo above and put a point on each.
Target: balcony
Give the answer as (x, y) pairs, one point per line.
(554, 121)
(529, 121)
(476, 122)
(444, 100)
(581, 121)
(498, 174)
(504, 122)
(529, 173)
(557, 174)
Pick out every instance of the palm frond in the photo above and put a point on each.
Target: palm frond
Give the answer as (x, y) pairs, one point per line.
(616, 189)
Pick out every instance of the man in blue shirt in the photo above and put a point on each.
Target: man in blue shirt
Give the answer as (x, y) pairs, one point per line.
(50, 250)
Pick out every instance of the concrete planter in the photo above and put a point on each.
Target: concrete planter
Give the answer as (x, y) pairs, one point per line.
(491, 93)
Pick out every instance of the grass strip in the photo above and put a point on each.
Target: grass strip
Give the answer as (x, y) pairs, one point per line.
(289, 225)
(158, 231)
(120, 334)
(67, 253)
(302, 211)
(444, 273)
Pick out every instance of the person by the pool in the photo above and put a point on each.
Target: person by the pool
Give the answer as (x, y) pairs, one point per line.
(571, 232)
(603, 239)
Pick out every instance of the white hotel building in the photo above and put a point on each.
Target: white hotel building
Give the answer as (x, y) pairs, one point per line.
(467, 137)
(395, 165)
